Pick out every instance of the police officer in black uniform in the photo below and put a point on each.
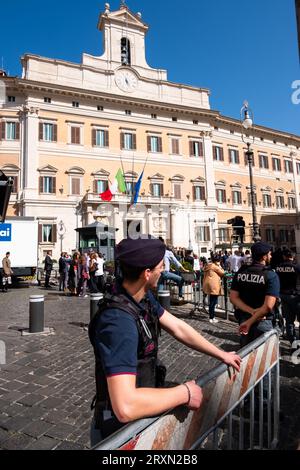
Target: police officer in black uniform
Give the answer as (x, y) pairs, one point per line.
(124, 334)
(288, 272)
(254, 292)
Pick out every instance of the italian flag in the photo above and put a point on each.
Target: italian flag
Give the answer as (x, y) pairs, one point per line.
(117, 185)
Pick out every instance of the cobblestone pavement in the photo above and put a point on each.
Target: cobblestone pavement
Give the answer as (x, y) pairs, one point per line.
(47, 383)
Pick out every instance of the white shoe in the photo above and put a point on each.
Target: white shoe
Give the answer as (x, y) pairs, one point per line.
(211, 321)
(215, 320)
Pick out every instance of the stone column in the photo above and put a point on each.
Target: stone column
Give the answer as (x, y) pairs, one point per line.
(117, 224)
(149, 222)
(209, 170)
(29, 155)
(172, 226)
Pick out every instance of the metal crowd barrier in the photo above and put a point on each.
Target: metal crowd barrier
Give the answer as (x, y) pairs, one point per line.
(239, 410)
(193, 294)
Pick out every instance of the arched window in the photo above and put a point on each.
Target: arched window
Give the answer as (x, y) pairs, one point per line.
(125, 52)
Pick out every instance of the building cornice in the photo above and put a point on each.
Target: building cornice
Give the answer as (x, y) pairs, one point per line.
(215, 117)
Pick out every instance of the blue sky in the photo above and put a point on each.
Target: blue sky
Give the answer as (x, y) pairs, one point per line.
(238, 49)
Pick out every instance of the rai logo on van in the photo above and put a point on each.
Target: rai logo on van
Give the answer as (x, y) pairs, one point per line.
(5, 232)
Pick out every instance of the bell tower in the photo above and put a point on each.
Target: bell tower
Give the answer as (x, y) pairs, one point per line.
(123, 43)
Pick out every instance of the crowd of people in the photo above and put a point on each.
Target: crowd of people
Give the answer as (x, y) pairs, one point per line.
(77, 273)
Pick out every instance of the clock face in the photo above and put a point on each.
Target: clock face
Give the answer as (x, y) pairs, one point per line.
(126, 80)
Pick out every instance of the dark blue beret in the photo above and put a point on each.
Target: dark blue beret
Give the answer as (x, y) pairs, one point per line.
(140, 253)
(260, 249)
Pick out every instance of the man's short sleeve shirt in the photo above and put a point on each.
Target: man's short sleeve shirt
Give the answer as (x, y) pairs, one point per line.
(117, 339)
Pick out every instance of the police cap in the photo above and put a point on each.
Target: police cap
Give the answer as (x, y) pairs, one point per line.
(140, 253)
(260, 249)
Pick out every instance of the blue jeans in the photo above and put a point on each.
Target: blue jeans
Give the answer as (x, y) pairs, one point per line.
(213, 300)
(165, 276)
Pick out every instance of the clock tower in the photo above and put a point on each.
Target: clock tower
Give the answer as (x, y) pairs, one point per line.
(124, 46)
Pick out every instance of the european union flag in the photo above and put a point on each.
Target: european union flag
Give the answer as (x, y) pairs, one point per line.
(137, 189)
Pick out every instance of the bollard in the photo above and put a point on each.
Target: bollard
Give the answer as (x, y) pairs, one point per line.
(95, 298)
(164, 299)
(36, 313)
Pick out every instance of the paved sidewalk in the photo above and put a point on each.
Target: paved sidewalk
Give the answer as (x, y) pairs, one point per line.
(48, 382)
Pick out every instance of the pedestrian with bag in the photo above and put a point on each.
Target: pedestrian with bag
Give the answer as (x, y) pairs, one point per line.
(7, 272)
(212, 284)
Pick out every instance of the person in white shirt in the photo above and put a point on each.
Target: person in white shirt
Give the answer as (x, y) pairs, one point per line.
(99, 274)
(235, 262)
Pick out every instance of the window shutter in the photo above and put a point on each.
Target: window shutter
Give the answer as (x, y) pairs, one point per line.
(148, 143)
(75, 135)
(54, 233)
(54, 132)
(202, 193)
(194, 193)
(94, 142)
(133, 141)
(201, 149)
(41, 131)
(106, 139)
(161, 190)
(215, 152)
(192, 149)
(221, 154)
(75, 186)
(95, 185)
(122, 138)
(237, 157)
(207, 234)
(40, 236)
(54, 185)
(159, 144)
(41, 184)
(175, 146)
(151, 188)
(17, 131)
(15, 185)
(177, 191)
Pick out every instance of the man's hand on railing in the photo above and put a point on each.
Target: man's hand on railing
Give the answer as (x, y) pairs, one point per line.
(195, 395)
(232, 359)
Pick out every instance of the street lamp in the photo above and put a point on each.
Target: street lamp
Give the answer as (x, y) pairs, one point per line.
(247, 123)
(61, 233)
(189, 223)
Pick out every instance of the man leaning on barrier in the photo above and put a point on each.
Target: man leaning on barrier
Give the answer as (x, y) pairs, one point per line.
(167, 275)
(254, 292)
(124, 334)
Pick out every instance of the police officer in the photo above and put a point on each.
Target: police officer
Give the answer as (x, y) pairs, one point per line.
(288, 272)
(254, 292)
(124, 334)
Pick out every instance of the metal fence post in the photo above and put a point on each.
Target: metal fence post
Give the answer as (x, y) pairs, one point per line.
(36, 313)
(94, 300)
(164, 299)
